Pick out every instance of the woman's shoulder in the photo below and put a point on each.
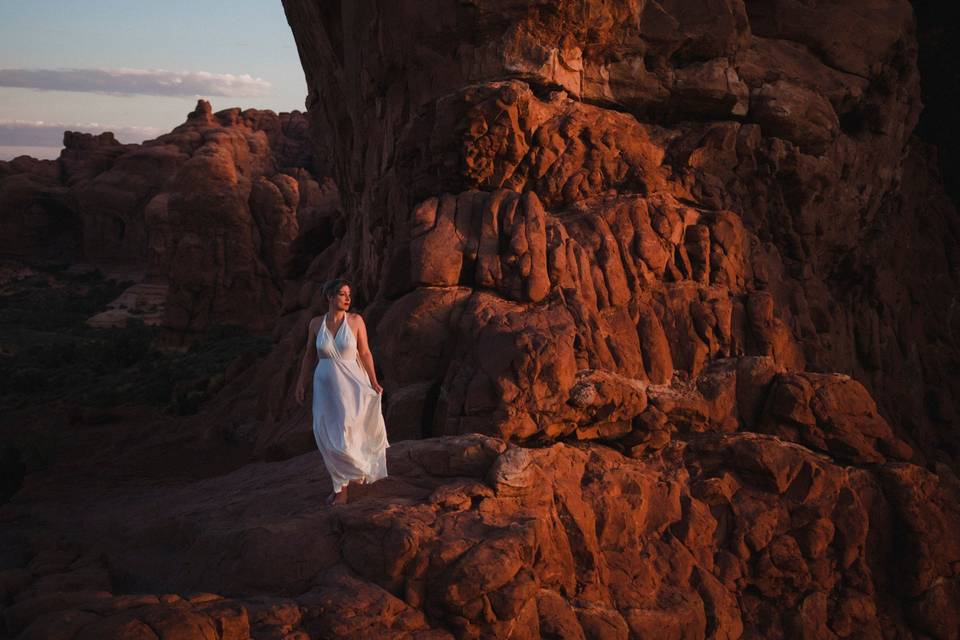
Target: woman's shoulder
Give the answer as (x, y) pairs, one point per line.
(355, 319)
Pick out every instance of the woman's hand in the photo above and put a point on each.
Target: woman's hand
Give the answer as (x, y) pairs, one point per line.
(363, 354)
(300, 394)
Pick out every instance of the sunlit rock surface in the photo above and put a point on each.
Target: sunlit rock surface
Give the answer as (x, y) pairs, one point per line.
(671, 281)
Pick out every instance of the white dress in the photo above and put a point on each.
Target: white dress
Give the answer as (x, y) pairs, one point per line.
(347, 417)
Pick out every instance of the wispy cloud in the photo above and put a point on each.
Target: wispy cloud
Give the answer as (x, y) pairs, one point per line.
(154, 82)
(37, 133)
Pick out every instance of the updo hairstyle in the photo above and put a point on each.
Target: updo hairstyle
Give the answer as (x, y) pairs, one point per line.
(331, 288)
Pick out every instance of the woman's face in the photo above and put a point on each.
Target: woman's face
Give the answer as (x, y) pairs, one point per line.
(341, 299)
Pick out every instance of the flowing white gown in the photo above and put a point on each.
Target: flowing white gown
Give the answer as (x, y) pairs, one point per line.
(347, 416)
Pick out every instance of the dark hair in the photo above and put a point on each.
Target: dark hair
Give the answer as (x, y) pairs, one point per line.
(332, 287)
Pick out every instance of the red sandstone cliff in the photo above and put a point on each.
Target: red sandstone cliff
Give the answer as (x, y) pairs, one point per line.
(641, 224)
(533, 193)
(683, 263)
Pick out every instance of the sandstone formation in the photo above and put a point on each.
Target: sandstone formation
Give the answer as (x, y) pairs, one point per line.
(540, 195)
(35, 215)
(627, 226)
(661, 294)
(142, 301)
(218, 210)
(723, 536)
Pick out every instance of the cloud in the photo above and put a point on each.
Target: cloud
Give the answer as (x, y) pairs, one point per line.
(154, 82)
(37, 133)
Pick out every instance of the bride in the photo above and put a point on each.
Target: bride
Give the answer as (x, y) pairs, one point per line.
(347, 418)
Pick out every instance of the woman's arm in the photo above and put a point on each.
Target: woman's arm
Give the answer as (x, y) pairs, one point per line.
(307, 362)
(364, 355)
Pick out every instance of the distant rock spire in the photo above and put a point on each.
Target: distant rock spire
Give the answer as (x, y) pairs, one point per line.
(203, 112)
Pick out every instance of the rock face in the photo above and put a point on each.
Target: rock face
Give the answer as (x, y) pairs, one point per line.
(541, 195)
(672, 281)
(36, 215)
(218, 209)
(637, 239)
(724, 536)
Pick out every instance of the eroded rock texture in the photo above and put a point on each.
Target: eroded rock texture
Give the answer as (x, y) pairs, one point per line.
(656, 230)
(542, 195)
(741, 535)
(219, 208)
(681, 264)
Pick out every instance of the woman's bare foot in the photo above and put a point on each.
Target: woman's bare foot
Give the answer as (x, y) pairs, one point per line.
(338, 497)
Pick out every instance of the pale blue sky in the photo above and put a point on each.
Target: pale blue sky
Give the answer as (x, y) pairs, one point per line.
(205, 46)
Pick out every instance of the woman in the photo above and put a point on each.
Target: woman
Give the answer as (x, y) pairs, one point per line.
(347, 418)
